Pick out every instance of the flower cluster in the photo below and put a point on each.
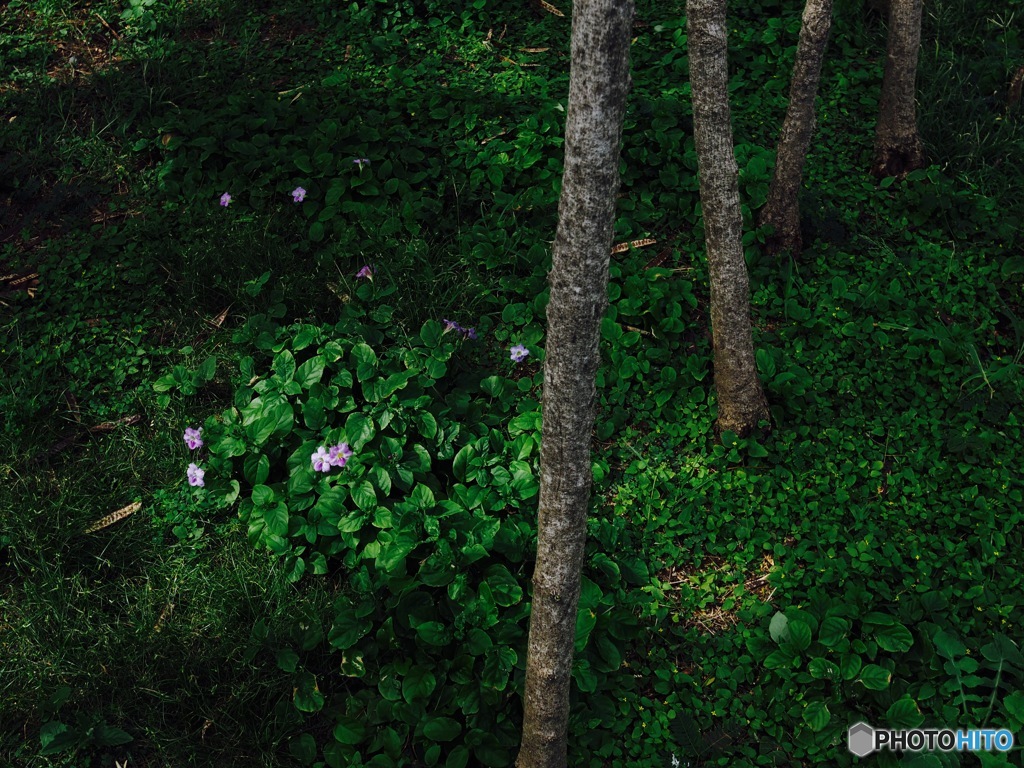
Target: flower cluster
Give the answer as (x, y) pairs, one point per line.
(451, 325)
(335, 456)
(194, 440)
(519, 353)
(298, 195)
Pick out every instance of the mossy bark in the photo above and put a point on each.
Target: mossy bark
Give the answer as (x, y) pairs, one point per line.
(782, 210)
(741, 401)
(898, 148)
(598, 86)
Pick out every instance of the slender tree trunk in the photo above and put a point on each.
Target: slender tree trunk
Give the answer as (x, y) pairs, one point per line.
(898, 148)
(782, 211)
(598, 85)
(741, 402)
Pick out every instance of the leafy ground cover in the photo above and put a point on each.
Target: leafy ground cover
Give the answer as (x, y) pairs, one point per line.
(744, 600)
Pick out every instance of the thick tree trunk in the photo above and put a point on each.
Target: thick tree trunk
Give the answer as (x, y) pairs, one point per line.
(741, 402)
(782, 211)
(898, 148)
(598, 85)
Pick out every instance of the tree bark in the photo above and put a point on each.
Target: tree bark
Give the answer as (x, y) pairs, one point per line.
(898, 148)
(782, 211)
(598, 86)
(741, 402)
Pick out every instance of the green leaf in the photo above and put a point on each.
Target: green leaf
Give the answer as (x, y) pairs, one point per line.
(427, 425)
(284, 366)
(833, 631)
(823, 669)
(755, 450)
(418, 684)
(442, 729)
(816, 715)
(359, 429)
(364, 496)
(779, 627)
(850, 666)
(904, 714)
(948, 646)
(350, 730)
(875, 678)
(348, 629)
(109, 736)
(310, 372)
(56, 737)
(895, 638)
(365, 361)
(1014, 705)
(431, 333)
(276, 518)
(316, 231)
(432, 633)
(462, 459)
(303, 748)
(504, 586)
(799, 634)
(306, 694)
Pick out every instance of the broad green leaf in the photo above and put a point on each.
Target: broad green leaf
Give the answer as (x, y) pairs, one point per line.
(427, 425)
(904, 714)
(833, 631)
(359, 430)
(364, 496)
(441, 729)
(896, 638)
(823, 669)
(284, 366)
(816, 715)
(418, 684)
(348, 629)
(431, 333)
(850, 666)
(799, 634)
(875, 678)
(779, 628)
(276, 518)
(462, 459)
(350, 730)
(306, 694)
(310, 372)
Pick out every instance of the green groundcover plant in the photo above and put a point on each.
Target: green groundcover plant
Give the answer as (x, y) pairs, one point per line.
(375, 458)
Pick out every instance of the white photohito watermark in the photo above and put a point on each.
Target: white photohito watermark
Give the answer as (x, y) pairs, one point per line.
(862, 739)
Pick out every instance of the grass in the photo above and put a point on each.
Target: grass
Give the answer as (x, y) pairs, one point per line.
(891, 353)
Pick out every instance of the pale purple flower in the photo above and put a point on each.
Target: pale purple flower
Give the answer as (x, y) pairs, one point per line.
(360, 161)
(298, 194)
(193, 439)
(519, 353)
(195, 475)
(225, 199)
(366, 272)
(339, 455)
(467, 333)
(321, 460)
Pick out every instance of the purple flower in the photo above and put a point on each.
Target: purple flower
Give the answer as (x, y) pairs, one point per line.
(195, 475)
(339, 455)
(366, 272)
(467, 333)
(321, 460)
(225, 199)
(519, 353)
(193, 439)
(298, 194)
(360, 161)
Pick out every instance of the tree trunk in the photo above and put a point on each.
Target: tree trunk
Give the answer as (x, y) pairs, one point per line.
(741, 402)
(782, 211)
(898, 148)
(598, 85)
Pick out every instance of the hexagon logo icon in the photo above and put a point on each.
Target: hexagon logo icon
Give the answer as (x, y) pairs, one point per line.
(860, 739)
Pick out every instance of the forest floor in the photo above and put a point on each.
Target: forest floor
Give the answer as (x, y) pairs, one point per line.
(745, 600)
